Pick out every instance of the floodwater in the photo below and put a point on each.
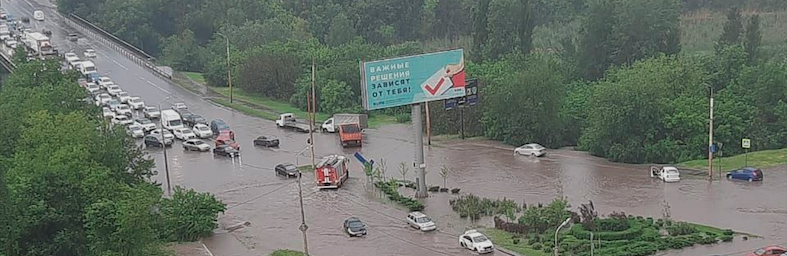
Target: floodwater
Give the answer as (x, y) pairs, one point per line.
(269, 204)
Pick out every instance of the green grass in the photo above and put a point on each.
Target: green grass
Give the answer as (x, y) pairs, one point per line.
(197, 77)
(245, 109)
(286, 253)
(503, 239)
(759, 159)
(306, 168)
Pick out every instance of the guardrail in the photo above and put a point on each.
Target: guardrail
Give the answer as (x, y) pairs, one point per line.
(6, 62)
(130, 51)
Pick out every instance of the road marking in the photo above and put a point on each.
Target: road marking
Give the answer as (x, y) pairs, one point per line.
(206, 248)
(118, 63)
(28, 3)
(153, 84)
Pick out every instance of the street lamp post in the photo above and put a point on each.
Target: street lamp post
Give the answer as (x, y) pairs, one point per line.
(164, 144)
(710, 136)
(229, 70)
(303, 226)
(558, 230)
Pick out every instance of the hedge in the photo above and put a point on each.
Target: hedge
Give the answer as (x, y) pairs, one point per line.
(391, 189)
(634, 231)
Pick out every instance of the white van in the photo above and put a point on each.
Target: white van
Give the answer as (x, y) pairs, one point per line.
(38, 15)
(86, 67)
(170, 120)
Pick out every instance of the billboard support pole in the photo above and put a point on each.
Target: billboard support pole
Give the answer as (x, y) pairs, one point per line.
(420, 167)
(428, 126)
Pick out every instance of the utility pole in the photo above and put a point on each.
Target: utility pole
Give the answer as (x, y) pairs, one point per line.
(710, 137)
(420, 167)
(229, 69)
(164, 144)
(313, 114)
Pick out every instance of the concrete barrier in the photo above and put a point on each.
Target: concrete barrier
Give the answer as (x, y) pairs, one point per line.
(130, 51)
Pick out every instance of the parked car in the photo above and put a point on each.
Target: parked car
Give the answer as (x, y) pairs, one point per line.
(135, 131)
(769, 251)
(136, 103)
(179, 106)
(193, 119)
(167, 135)
(226, 150)
(145, 123)
(420, 221)
(155, 141)
(123, 97)
(121, 119)
(354, 227)
(202, 131)
(102, 99)
(267, 141)
(746, 173)
(218, 125)
(107, 113)
(151, 112)
(475, 241)
(113, 104)
(90, 53)
(73, 37)
(286, 169)
(114, 89)
(123, 109)
(184, 134)
(92, 87)
(196, 145)
(104, 81)
(531, 149)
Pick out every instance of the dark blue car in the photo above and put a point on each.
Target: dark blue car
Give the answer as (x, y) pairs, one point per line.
(747, 173)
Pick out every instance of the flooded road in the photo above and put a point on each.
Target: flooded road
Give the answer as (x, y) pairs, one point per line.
(488, 169)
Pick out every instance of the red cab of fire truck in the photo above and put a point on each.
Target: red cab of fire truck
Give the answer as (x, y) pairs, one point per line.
(332, 171)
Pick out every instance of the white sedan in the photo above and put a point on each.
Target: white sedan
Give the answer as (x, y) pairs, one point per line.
(90, 53)
(107, 113)
(195, 144)
(121, 119)
(104, 81)
(184, 134)
(145, 123)
(102, 99)
(531, 149)
(135, 131)
(123, 97)
(113, 89)
(136, 103)
(202, 131)
(475, 241)
(123, 109)
(92, 87)
(167, 135)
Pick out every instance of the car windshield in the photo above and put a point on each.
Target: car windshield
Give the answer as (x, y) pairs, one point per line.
(355, 224)
(143, 121)
(122, 118)
(198, 142)
(760, 251)
(175, 122)
(350, 128)
(670, 171)
(203, 128)
(479, 239)
(134, 128)
(91, 86)
(185, 130)
(423, 220)
(290, 167)
(122, 107)
(134, 100)
(152, 109)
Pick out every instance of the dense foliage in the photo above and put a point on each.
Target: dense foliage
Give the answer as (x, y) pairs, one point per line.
(609, 76)
(72, 185)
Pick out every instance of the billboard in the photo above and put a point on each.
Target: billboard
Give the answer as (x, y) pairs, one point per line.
(413, 79)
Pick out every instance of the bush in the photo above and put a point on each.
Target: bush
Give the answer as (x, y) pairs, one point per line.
(390, 188)
(726, 238)
(681, 228)
(190, 215)
(536, 246)
(634, 231)
(659, 223)
(612, 225)
(649, 235)
(728, 232)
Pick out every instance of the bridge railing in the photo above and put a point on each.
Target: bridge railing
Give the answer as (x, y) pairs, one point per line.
(135, 54)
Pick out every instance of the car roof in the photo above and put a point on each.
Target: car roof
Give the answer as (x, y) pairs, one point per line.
(353, 219)
(532, 144)
(750, 169)
(473, 233)
(417, 214)
(193, 140)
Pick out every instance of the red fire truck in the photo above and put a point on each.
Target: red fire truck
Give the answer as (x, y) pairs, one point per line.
(332, 171)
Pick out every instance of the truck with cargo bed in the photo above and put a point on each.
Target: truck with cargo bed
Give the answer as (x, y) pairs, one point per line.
(349, 126)
(288, 121)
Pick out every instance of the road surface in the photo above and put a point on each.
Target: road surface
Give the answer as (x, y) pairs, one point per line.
(269, 203)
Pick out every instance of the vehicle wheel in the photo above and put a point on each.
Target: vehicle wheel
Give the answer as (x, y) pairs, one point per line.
(729, 177)
(532, 154)
(750, 180)
(462, 244)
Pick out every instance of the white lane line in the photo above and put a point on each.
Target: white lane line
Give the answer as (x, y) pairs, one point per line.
(28, 3)
(118, 63)
(206, 248)
(155, 85)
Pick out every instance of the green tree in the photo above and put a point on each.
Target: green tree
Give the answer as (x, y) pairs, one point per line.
(183, 53)
(341, 31)
(336, 97)
(596, 49)
(733, 28)
(190, 215)
(510, 29)
(753, 38)
(268, 73)
(480, 31)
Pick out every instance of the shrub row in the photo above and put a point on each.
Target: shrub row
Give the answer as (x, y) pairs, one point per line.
(634, 231)
(390, 188)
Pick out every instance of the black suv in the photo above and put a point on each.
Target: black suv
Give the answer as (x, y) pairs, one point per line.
(155, 141)
(194, 119)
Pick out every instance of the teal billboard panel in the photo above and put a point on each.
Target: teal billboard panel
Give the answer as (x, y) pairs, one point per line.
(413, 79)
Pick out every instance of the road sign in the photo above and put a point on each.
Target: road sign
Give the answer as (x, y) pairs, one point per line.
(713, 148)
(451, 104)
(470, 98)
(413, 79)
(746, 143)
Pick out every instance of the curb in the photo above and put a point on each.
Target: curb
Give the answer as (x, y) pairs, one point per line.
(509, 252)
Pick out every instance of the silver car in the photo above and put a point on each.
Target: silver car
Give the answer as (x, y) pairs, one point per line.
(151, 112)
(531, 149)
